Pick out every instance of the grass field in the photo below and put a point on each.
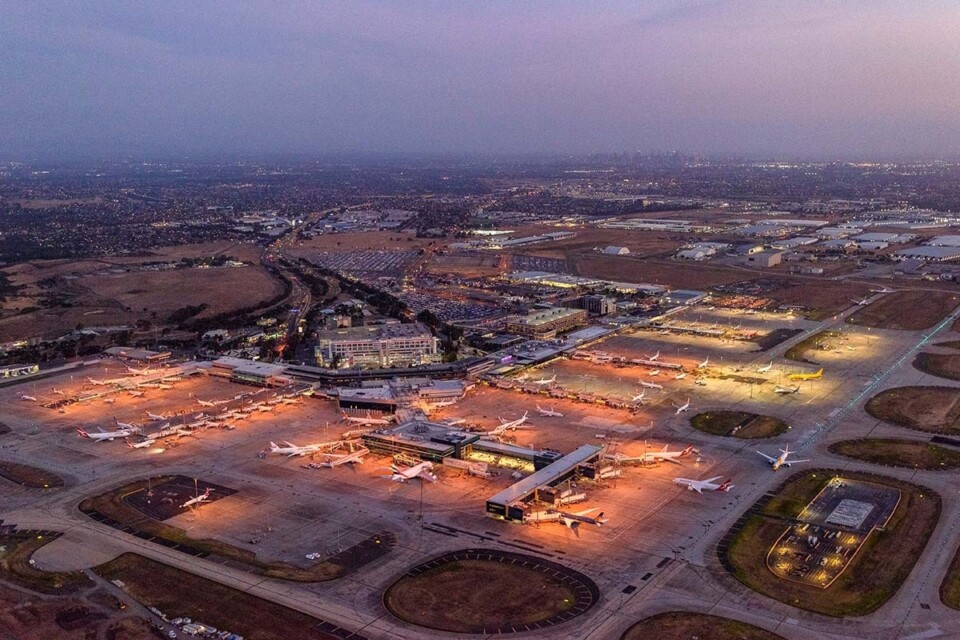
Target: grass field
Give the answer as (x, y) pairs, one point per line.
(28, 476)
(798, 352)
(15, 567)
(465, 596)
(738, 424)
(943, 365)
(929, 409)
(872, 577)
(178, 593)
(892, 452)
(112, 504)
(908, 310)
(684, 625)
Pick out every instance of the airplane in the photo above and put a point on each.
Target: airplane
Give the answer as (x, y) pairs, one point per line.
(124, 425)
(102, 435)
(143, 371)
(98, 383)
(109, 400)
(135, 394)
(653, 456)
(58, 392)
(549, 413)
(638, 399)
(266, 407)
(649, 385)
(861, 303)
(883, 290)
(512, 425)
(567, 519)
(781, 460)
(200, 499)
(24, 396)
(140, 445)
(683, 407)
(345, 458)
(654, 372)
(704, 364)
(546, 381)
(654, 357)
(165, 387)
(700, 485)
(289, 401)
(454, 421)
(206, 403)
(765, 368)
(680, 376)
(786, 390)
(291, 449)
(155, 417)
(807, 376)
(421, 470)
(368, 420)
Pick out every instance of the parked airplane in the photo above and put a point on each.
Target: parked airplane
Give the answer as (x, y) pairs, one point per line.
(704, 364)
(682, 407)
(206, 403)
(638, 399)
(58, 392)
(700, 486)
(546, 381)
(549, 413)
(511, 425)
(653, 456)
(102, 435)
(649, 385)
(807, 376)
(289, 449)
(155, 417)
(98, 383)
(883, 290)
(421, 470)
(654, 372)
(124, 425)
(200, 499)
(369, 419)
(654, 357)
(135, 394)
(567, 519)
(24, 396)
(786, 390)
(109, 400)
(265, 407)
(140, 445)
(782, 459)
(765, 368)
(337, 459)
(861, 303)
(680, 376)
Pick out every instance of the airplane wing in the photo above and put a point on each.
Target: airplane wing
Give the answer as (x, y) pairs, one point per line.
(426, 475)
(712, 479)
(767, 458)
(793, 462)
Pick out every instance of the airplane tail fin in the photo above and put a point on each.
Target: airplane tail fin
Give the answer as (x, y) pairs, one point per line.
(127, 442)
(726, 486)
(273, 446)
(82, 434)
(686, 451)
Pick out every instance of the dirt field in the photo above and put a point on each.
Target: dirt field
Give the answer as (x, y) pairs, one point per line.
(907, 310)
(468, 595)
(822, 297)
(683, 625)
(178, 593)
(899, 453)
(28, 476)
(930, 409)
(738, 424)
(680, 275)
(29, 618)
(875, 573)
(944, 365)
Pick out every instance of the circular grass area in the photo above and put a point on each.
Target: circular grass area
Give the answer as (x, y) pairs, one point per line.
(929, 409)
(894, 452)
(487, 591)
(683, 625)
(738, 424)
(942, 365)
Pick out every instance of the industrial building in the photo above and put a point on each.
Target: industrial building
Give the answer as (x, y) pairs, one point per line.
(264, 374)
(765, 258)
(377, 346)
(684, 297)
(546, 323)
(137, 355)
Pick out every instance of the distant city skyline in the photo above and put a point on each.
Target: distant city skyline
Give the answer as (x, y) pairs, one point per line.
(800, 80)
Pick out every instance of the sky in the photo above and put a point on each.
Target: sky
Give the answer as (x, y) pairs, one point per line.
(844, 79)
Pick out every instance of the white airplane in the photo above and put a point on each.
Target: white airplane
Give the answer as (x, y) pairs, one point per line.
(653, 456)
(239, 415)
(24, 396)
(654, 372)
(266, 407)
(140, 445)
(109, 400)
(861, 303)
(567, 519)
(638, 399)
(549, 413)
(289, 449)
(704, 364)
(102, 435)
(700, 486)
(786, 390)
(546, 381)
(206, 403)
(98, 383)
(883, 290)
(649, 385)
(367, 420)
(135, 394)
(682, 407)
(200, 499)
(421, 470)
(155, 417)
(765, 368)
(680, 376)
(654, 357)
(346, 458)
(511, 425)
(58, 392)
(124, 425)
(781, 460)
(290, 400)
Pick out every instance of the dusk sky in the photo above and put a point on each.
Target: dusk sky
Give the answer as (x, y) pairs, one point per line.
(843, 79)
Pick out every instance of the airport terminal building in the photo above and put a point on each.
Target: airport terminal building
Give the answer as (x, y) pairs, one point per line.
(378, 346)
